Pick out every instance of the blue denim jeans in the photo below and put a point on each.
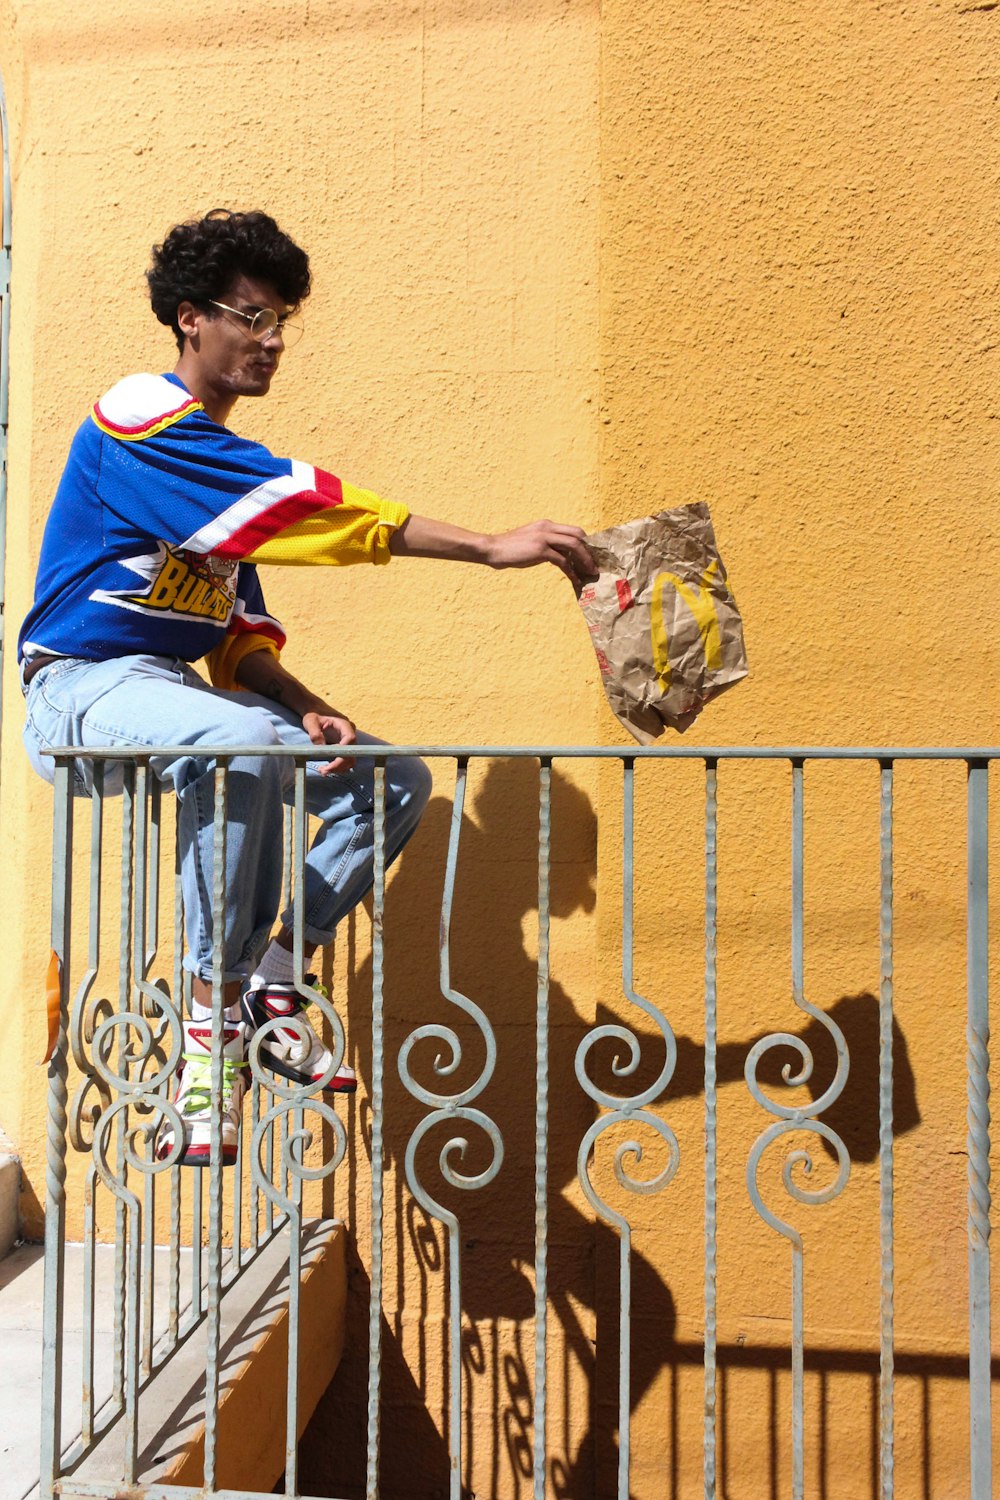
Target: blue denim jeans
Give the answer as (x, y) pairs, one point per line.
(159, 700)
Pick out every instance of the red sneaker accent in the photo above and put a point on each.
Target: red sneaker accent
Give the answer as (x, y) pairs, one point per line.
(204, 1036)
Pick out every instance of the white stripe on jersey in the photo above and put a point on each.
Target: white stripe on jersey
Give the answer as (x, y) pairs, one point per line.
(207, 538)
(240, 612)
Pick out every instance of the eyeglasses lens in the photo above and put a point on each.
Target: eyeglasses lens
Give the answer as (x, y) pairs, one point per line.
(266, 321)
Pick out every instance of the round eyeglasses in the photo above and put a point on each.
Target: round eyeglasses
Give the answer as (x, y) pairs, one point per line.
(264, 322)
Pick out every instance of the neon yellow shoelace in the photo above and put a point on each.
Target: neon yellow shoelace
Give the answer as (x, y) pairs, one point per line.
(314, 984)
(198, 1099)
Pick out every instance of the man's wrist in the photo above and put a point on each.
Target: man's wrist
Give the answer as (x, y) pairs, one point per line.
(272, 681)
(311, 705)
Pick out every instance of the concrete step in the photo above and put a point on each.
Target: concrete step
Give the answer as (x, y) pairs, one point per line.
(10, 1190)
(251, 1435)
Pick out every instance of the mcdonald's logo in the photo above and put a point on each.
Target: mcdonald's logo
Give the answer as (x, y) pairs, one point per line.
(702, 606)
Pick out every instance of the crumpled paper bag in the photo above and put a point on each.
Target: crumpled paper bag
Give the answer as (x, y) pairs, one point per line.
(664, 623)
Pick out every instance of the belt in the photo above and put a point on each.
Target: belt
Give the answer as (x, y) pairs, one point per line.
(36, 664)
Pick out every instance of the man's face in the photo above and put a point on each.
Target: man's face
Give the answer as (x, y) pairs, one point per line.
(229, 360)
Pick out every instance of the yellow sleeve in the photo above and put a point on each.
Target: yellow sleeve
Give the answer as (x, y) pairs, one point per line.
(227, 655)
(357, 530)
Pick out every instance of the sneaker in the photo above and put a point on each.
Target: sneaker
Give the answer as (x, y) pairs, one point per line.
(193, 1097)
(283, 1050)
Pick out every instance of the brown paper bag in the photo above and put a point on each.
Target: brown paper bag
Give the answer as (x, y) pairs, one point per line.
(664, 624)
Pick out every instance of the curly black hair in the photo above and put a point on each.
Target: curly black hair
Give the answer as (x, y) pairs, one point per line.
(198, 260)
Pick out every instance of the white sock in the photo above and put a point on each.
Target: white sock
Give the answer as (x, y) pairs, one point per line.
(201, 1012)
(276, 967)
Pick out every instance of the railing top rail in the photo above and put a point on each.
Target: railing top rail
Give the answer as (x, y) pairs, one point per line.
(539, 752)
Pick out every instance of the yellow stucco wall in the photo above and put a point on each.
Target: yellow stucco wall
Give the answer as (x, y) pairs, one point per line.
(799, 325)
(588, 262)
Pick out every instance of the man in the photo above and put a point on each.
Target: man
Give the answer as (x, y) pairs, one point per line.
(149, 563)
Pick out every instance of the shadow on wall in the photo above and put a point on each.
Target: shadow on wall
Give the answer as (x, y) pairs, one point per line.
(495, 892)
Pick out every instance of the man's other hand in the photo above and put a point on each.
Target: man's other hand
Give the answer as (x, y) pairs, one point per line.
(328, 727)
(544, 541)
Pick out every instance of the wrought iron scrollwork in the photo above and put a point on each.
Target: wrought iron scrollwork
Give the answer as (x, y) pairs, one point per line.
(458, 1104)
(797, 1117)
(292, 1101)
(628, 1108)
(454, 1107)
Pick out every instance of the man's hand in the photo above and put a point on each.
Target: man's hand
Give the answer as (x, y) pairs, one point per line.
(538, 542)
(261, 672)
(325, 726)
(544, 541)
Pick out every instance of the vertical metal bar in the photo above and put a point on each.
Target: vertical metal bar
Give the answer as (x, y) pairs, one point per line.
(55, 1145)
(292, 1393)
(132, 1335)
(141, 960)
(295, 1197)
(148, 1264)
(542, 1127)
(269, 1160)
(138, 1290)
(173, 1314)
(377, 1148)
(124, 1004)
(152, 944)
(292, 1120)
(886, 1337)
(798, 990)
(978, 1039)
(153, 883)
(214, 1316)
(798, 964)
(711, 1123)
(625, 1358)
(90, 1188)
(197, 1234)
(625, 1248)
(96, 861)
(454, 1360)
(628, 873)
(174, 1272)
(89, 1290)
(282, 1124)
(236, 1252)
(289, 862)
(141, 877)
(254, 1190)
(798, 1336)
(286, 1142)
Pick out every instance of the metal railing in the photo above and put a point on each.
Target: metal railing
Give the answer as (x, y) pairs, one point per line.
(125, 1053)
(5, 270)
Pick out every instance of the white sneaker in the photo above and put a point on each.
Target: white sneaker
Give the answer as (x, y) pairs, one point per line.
(193, 1096)
(283, 1050)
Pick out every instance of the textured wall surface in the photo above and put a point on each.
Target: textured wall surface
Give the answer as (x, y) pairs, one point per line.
(587, 262)
(799, 324)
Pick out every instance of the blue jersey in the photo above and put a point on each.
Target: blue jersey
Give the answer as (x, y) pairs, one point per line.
(159, 519)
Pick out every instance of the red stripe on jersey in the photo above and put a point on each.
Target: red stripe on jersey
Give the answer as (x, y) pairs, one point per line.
(330, 486)
(161, 417)
(240, 625)
(286, 512)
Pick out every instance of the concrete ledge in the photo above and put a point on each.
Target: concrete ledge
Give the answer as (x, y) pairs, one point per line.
(253, 1376)
(10, 1190)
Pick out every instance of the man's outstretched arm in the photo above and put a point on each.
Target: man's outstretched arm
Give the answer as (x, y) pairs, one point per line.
(538, 542)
